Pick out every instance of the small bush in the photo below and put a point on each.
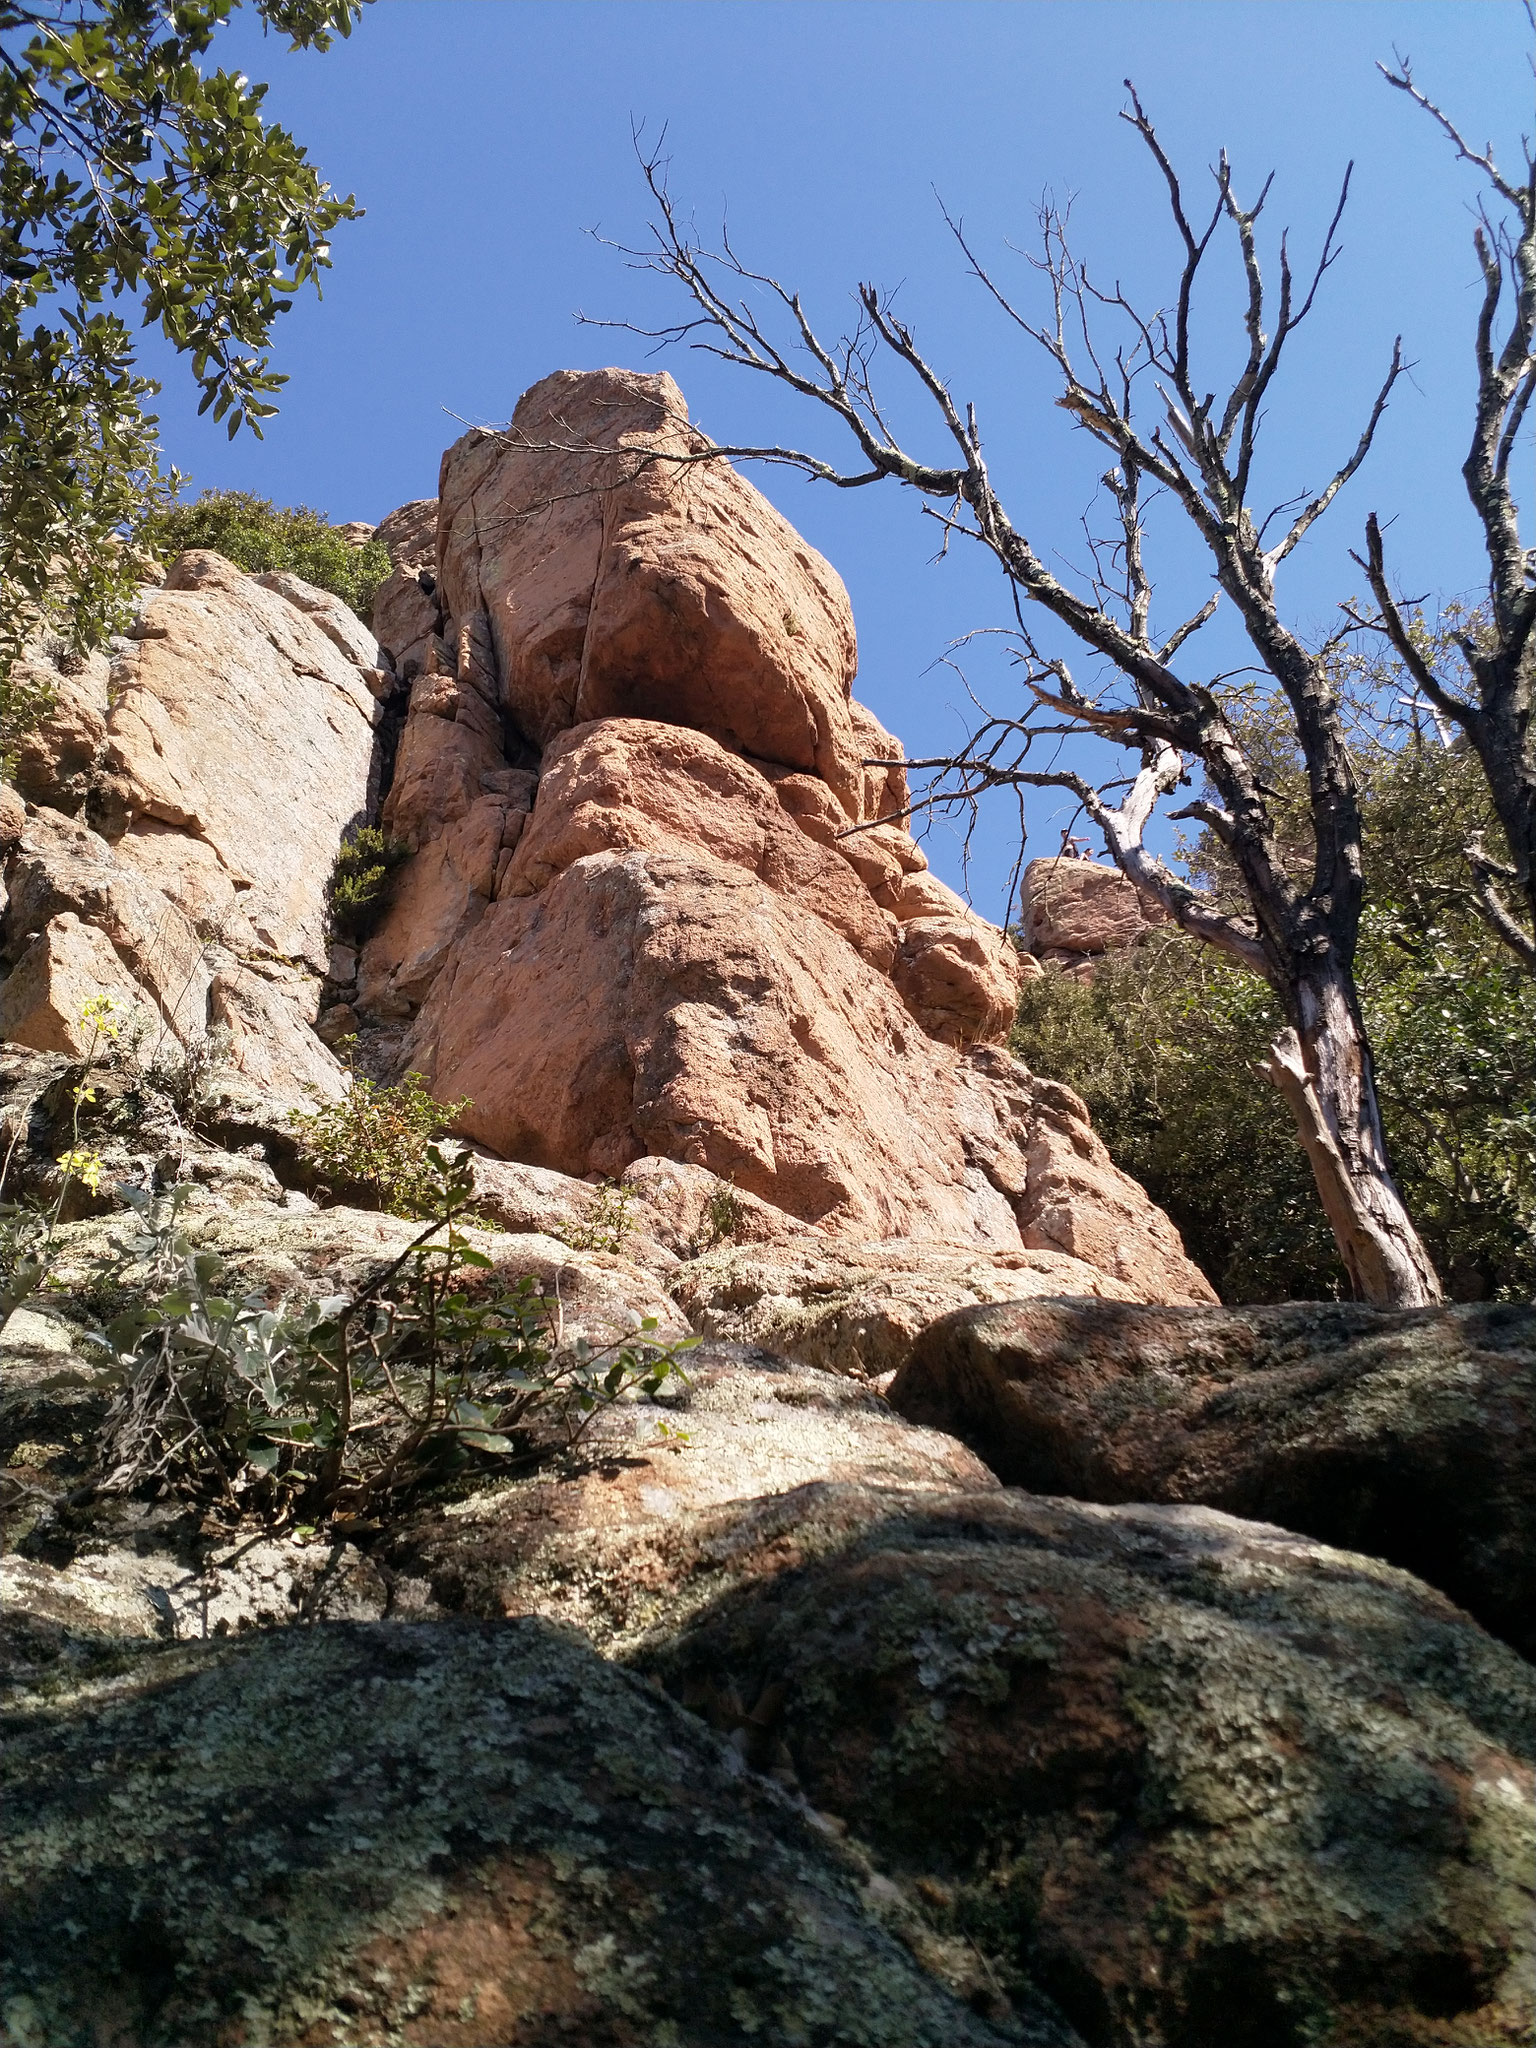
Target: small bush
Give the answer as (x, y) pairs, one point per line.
(606, 1224)
(257, 535)
(337, 1410)
(359, 886)
(725, 1214)
(376, 1143)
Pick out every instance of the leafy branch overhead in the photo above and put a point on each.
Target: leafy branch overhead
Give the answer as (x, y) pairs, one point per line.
(127, 171)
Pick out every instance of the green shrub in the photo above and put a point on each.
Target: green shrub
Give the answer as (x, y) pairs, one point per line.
(257, 535)
(376, 1144)
(339, 1409)
(1165, 1047)
(606, 1224)
(359, 886)
(725, 1213)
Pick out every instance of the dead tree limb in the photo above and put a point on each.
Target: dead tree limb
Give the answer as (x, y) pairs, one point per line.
(1496, 715)
(1199, 451)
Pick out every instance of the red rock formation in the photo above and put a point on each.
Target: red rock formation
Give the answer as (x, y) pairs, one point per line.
(713, 939)
(621, 585)
(661, 901)
(1076, 910)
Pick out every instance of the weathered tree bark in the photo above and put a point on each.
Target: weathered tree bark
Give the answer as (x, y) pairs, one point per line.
(1327, 1082)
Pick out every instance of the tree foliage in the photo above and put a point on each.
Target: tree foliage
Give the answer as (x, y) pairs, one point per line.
(257, 535)
(127, 173)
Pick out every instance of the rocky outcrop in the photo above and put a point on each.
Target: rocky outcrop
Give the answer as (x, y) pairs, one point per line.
(945, 1761)
(1077, 910)
(520, 1845)
(659, 903)
(1201, 1780)
(218, 756)
(1410, 1434)
(1163, 1767)
(616, 583)
(237, 712)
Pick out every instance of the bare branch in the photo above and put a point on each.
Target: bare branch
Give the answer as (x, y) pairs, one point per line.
(1318, 505)
(1402, 78)
(1395, 627)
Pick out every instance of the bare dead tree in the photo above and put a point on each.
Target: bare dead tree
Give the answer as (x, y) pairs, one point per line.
(1199, 454)
(1500, 657)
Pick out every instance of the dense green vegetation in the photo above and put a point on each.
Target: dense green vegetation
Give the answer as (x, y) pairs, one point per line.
(1166, 1043)
(128, 173)
(257, 535)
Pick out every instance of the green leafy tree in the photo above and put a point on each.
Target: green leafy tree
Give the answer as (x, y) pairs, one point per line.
(126, 172)
(257, 535)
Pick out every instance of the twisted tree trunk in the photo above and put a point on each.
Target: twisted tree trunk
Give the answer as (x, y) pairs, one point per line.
(1324, 1072)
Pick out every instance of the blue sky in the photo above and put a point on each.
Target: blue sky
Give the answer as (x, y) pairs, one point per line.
(485, 137)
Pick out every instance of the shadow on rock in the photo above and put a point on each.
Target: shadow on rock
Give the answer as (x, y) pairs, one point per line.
(1202, 1781)
(1406, 1433)
(446, 1835)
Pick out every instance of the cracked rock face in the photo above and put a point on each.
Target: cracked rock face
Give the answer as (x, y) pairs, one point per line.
(660, 902)
(702, 932)
(180, 845)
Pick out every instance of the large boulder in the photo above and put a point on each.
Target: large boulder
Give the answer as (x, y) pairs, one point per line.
(644, 1529)
(1077, 910)
(56, 761)
(442, 1836)
(630, 785)
(1204, 1781)
(859, 1308)
(617, 582)
(73, 897)
(1408, 1433)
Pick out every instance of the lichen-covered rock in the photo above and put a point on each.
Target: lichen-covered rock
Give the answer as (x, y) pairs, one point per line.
(644, 1527)
(304, 1252)
(446, 1836)
(859, 1308)
(658, 1214)
(1408, 1433)
(1205, 1781)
